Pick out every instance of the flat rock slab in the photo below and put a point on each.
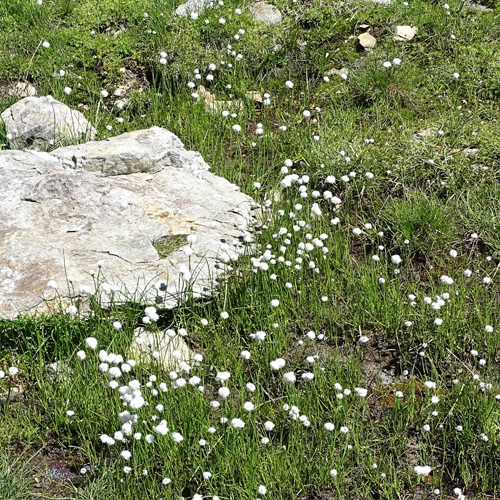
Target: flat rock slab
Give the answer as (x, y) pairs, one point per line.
(405, 33)
(44, 122)
(265, 13)
(63, 212)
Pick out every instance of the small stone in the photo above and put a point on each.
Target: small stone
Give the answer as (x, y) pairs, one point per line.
(22, 89)
(171, 351)
(339, 72)
(405, 33)
(193, 6)
(367, 41)
(59, 372)
(215, 107)
(42, 122)
(253, 95)
(265, 13)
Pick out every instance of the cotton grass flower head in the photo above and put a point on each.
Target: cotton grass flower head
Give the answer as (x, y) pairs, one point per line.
(237, 423)
(222, 376)
(422, 470)
(396, 259)
(91, 343)
(277, 364)
(224, 392)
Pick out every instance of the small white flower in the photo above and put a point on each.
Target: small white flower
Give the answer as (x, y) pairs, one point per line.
(237, 423)
(446, 280)
(424, 470)
(91, 343)
(387, 64)
(456, 75)
(224, 392)
(269, 426)
(176, 437)
(125, 454)
(81, 355)
(67, 90)
(222, 376)
(396, 259)
(277, 364)
(289, 377)
(275, 303)
(261, 490)
(46, 45)
(361, 392)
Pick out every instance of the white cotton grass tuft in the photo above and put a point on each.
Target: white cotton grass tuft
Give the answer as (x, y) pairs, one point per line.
(91, 343)
(422, 470)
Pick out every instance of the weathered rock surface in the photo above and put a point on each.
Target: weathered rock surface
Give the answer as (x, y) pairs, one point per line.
(166, 348)
(265, 13)
(367, 41)
(193, 6)
(22, 89)
(213, 106)
(405, 33)
(42, 122)
(476, 7)
(62, 212)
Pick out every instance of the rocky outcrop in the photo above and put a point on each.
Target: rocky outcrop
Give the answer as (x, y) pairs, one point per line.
(112, 218)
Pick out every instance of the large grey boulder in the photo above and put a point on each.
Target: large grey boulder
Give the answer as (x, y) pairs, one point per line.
(43, 122)
(63, 212)
(265, 13)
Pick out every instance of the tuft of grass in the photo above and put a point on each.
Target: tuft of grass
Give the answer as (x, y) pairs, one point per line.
(169, 244)
(16, 476)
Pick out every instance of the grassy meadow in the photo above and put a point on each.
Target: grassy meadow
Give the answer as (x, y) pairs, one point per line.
(354, 351)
